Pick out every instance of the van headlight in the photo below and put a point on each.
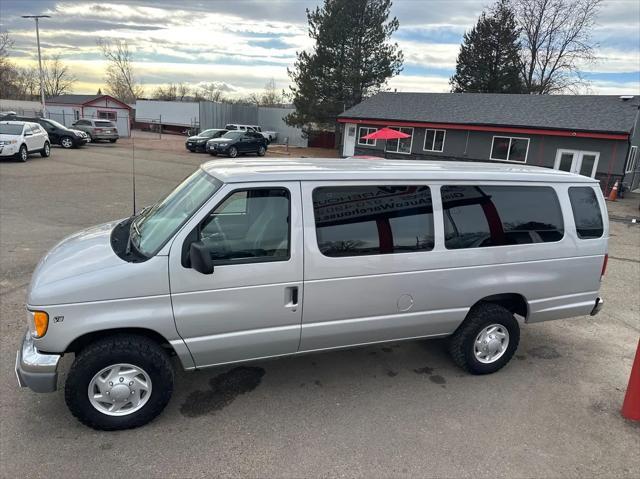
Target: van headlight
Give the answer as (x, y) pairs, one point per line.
(38, 323)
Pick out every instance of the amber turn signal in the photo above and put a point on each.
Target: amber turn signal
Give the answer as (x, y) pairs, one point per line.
(40, 323)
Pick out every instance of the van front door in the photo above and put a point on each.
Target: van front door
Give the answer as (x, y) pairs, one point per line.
(250, 306)
(580, 162)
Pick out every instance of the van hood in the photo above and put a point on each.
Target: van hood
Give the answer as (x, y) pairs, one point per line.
(83, 267)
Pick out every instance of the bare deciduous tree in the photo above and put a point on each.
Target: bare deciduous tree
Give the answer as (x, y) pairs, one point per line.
(58, 80)
(26, 84)
(270, 96)
(556, 41)
(172, 92)
(7, 70)
(166, 92)
(182, 91)
(121, 81)
(210, 92)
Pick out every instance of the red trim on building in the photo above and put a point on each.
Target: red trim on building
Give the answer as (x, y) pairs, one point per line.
(496, 129)
(91, 103)
(109, 98)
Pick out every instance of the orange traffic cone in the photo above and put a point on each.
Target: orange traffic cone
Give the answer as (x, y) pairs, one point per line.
(614, 192)
(631, 404)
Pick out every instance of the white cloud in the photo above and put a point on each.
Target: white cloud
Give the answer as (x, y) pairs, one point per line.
(420, 83)
(245, 44)
(433, 55)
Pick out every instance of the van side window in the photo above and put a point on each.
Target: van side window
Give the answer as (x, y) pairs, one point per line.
(586, 212)
(249, 225)
(370, 220)
(480, 216)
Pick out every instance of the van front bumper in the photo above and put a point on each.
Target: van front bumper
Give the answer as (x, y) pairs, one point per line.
(35, 370)
(598, 306)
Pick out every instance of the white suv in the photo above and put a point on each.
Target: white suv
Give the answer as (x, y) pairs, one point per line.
(20, 138)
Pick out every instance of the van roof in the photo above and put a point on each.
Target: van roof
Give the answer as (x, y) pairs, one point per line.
(318, 169)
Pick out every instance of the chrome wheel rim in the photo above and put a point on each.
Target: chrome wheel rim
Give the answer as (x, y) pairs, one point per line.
(66, 143)
(261, 151)
(233, 152)
(23, 154)
(491, 343)
(120, 389)
(46, 149)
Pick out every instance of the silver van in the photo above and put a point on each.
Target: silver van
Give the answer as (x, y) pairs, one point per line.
(253, 259)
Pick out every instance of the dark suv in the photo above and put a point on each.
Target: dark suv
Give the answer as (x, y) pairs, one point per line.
(58, 133)
(234, 143)
(199, 141)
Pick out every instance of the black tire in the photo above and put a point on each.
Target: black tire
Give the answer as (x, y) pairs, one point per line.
(46, 150)
(23, 154)
(113, 140)
(462, 342)
(261, 151)
(66, 142)
(232, 152)
(137, 350)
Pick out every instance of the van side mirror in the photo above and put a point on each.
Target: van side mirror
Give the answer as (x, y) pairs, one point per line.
(200, 258)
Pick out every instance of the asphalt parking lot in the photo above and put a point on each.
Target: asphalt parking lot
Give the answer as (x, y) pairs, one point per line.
(391, 410)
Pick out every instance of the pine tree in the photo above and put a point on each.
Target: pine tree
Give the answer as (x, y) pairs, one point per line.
(352, 59)
(489, 58)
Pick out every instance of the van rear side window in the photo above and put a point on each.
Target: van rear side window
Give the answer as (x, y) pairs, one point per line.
(371, 220)
(482, 216)
(586, 212)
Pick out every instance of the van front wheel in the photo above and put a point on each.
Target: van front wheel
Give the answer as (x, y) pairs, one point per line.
(486, 340)
(119, 382)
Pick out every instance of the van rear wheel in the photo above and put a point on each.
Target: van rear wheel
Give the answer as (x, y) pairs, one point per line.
(119, 382)
(486, 340)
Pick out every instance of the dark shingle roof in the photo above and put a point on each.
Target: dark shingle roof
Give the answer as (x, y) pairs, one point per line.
(592, 113)
(73, 99)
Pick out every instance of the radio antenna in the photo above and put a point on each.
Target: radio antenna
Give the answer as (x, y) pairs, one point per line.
(133, 172)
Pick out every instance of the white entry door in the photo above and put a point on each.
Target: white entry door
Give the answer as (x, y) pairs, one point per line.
(581, 162)
(349, 144)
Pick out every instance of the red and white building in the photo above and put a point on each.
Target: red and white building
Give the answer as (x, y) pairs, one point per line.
(67, 109)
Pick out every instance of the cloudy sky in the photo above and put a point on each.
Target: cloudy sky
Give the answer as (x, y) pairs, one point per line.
(245, 43)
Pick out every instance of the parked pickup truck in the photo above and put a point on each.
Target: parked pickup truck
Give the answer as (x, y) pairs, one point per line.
(270, 136)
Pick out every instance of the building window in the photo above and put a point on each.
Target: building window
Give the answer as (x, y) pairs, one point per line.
(107, 115)
(402, 145)
(372, 220)
(482, 216)
(434, 140)
(632, 161)
(76, 115)
(364, 131)
(507, 148)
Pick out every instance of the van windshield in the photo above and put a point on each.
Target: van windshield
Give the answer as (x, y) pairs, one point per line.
(158, 223)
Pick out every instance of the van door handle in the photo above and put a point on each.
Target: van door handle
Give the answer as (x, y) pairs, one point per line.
(291, 298)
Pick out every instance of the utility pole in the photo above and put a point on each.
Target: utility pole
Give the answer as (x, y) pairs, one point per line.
(37, 18)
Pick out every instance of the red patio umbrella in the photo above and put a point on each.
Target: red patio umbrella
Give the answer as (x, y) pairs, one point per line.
(385, 134)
